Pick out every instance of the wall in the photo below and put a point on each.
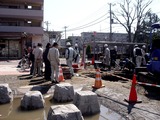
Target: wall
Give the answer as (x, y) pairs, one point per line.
(36, 40)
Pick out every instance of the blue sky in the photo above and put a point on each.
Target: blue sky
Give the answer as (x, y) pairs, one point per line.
(75, 13)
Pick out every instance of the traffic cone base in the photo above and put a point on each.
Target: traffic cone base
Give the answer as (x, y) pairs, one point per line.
(95, 87)
(129, 101)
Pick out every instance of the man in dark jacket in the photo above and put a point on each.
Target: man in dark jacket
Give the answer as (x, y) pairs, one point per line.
(47, 72)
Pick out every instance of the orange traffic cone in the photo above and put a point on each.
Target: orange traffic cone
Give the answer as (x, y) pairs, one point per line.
(61, 77)
(98, 81)
(133, 93)
(92, 60)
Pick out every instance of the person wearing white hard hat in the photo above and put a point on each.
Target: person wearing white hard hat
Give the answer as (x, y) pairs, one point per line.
(137, 53)
(70, 55)
(107, 57)
(77, 57)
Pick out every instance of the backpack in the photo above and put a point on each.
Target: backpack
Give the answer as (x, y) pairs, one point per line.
(138, 52)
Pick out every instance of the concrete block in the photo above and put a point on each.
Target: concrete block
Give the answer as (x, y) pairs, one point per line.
(32, 100)
(86, 102)
(64, 112)
(63, 92)
(6, 94)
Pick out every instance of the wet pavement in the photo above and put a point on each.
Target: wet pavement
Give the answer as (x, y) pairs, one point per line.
(112, 96)
(12, 111)
(10, 68)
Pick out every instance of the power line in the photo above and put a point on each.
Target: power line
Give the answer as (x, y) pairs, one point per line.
(87, 26)
(89, 22)
(98, 12)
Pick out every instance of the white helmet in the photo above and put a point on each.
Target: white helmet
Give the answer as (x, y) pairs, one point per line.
(105, 45)
(115, 47)
(68, 44)
(76, 45)
(136, 45)
(144, 47)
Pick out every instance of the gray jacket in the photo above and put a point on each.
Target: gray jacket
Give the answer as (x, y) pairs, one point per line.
(53, 56)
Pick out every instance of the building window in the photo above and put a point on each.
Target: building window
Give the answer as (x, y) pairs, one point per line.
(29, 22)
(29, 7)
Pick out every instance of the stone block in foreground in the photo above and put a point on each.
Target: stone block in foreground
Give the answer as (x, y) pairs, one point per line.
(63, 92)
(86, 102)
(64, 112)
(32, 100)
(6, 94)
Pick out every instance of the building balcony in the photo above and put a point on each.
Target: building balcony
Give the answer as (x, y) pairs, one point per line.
(24, 1)
(31, 1)
(22, 29)
(21, 13)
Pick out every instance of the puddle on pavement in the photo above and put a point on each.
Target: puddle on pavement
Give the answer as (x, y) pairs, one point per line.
(12, 111)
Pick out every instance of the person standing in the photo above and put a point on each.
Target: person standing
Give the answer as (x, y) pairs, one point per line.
(107, 57)
(47, 72)
(32, 59)
(70, 55)
(53, 57)
(38, 55)
(77, 57)
(113, 54)
(143, 55)
(137, 53)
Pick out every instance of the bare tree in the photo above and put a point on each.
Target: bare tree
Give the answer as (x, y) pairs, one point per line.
(131, 12)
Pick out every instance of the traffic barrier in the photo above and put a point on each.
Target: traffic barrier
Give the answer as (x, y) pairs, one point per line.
(148, 84)
(133, 93)
(140, 83)
(98, 81)
(123, 78)
(61, 77)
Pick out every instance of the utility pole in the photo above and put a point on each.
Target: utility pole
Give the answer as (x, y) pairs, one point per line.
(110, 12)
(65, 27)
(111, 20)
(47, 24)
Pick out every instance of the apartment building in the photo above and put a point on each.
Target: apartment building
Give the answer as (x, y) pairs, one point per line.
(20, 26)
